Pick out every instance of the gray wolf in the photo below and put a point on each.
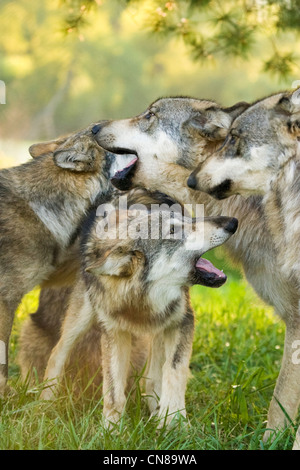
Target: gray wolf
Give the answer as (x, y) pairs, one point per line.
(137, 286)
(42, 205)
(170, 139)
(261, 156)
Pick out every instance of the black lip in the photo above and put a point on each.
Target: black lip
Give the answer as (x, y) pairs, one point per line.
(120, 150)
(122, 180)
(217, 195)
(208, 279)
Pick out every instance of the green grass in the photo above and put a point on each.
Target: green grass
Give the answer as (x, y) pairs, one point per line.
(237, 351)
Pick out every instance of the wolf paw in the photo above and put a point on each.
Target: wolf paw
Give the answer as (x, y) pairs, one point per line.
(172, 420)
(47, 393)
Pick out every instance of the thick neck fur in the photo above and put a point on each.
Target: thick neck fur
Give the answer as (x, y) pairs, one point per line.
(60, 198)
(42, 179)
(282, 207)
(133, 305)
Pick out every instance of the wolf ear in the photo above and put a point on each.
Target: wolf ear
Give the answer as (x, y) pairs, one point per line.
(75, 158)
(289, 103)
(237, 109)
(117, 262)
(213, 123)
(209, 125)
(36, 150)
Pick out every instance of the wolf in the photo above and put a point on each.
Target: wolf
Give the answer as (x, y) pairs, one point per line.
(261, 156)
(42, 205)
(132, 283)
(169, 140)
(194, 129)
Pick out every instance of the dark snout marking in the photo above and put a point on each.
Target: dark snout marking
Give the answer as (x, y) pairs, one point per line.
(122, 151)
(220, 191)
(229, 224)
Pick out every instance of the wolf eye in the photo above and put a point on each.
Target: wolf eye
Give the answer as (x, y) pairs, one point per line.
(149, 115)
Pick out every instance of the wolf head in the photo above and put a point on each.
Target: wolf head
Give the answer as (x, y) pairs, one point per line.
(79, 152)
(260, 141)
(153, 241)
(179, 130)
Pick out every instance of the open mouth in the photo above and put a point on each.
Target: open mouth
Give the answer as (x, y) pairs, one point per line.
(122, 179)
(208, 275)
(222, 190)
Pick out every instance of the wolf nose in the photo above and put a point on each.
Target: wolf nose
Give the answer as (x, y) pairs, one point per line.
(232, 225)
(96, 129)
(192, 181)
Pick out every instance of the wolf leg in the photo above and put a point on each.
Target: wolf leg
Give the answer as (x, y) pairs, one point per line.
(116, 351)
(6, 322)
(178, 348)
(78, 319)
(154, 372)
(285, 402)
(296, 445)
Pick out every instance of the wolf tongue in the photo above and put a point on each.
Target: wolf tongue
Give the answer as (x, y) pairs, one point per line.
(207, 266)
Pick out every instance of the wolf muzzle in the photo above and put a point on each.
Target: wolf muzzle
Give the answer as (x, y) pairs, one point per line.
(218, 192)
